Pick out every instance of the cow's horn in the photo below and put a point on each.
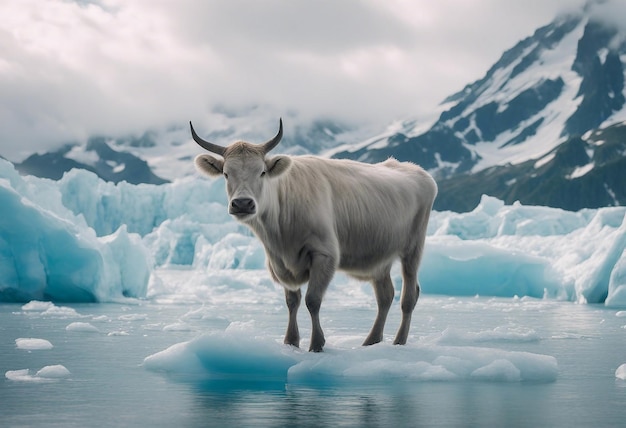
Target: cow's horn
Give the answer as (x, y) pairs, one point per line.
(269, 145)
(213, 148)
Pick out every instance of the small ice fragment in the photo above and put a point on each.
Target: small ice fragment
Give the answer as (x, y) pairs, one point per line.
(82, 326)
(46, 374)
(179, 326)
(620, 373)
(19, 375)
(53, 372)
(133, 317)
(32, 344)
(35, 305)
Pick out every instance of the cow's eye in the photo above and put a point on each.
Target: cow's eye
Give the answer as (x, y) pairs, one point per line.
(226, 176)
(263, 174)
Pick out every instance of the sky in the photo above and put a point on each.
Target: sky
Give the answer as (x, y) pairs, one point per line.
(71, 69)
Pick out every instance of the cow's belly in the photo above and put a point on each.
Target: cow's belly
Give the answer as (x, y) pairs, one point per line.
(289, 272)
(367, 252)
(366, 266)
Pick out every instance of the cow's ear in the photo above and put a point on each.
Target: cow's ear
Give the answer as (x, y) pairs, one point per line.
(209, 165)
(277, 165)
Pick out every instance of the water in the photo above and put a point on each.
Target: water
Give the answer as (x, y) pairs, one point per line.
(108, 385)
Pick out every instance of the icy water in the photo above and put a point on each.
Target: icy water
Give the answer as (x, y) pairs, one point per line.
(103, 347)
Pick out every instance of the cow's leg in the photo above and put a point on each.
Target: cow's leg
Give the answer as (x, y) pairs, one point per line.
(408, 300)
(383, 288)
(292, 337)
(322, 271)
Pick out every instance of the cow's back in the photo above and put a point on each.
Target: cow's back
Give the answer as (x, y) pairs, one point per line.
(374, 209)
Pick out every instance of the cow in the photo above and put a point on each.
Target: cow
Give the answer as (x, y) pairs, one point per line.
(316, 215)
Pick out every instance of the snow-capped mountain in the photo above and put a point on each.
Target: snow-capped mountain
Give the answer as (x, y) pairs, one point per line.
(582, 172)
(159, 156)
(96, 156)
(511, 133)
(546, 125)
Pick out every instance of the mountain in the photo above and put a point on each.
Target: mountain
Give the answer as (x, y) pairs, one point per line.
(578, 173)
(157, 157)
(545, 125)
(97, 156)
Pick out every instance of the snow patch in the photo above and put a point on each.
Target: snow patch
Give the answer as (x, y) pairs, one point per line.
(545, 160)
(580, 171)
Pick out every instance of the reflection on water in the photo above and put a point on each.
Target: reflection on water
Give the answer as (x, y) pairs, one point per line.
(426, 404)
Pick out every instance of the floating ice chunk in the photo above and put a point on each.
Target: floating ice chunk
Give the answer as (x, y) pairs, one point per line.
(62, 312)
(21, 376)
(226, 356)
(32, 344)
(423, 363)
(46, 374)
(118, 333)
(37, 306)
(83, 327)
(49, 310)
(620, 373)
(177, 359)
(240, 356)
(53, 372)
(133, 317)
(179, 326)
(620, 314)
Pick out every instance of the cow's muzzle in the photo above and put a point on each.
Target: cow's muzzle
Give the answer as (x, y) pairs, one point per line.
(242, 207)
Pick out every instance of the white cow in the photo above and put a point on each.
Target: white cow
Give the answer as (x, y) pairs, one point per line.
(316, 215)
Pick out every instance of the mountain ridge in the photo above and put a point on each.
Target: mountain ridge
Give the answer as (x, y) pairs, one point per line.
(528, 130)
(551, 88)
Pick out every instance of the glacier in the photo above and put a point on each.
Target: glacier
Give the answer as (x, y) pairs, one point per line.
(81, 239)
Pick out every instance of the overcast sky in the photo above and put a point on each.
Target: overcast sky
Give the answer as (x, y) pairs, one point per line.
(73, 69)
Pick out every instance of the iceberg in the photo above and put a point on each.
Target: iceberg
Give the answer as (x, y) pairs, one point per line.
(238, 356)
(49, 253)
(81, 239)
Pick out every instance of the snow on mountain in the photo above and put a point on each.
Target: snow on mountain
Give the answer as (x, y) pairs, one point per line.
(579, 173)
(158, 156)
(564, 81)
(544, 126)
(97, 156)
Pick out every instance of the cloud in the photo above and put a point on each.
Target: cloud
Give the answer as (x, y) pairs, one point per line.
(69, 70)
(611, 13)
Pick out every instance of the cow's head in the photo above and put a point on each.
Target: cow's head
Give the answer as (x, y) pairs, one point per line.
(246, 168)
